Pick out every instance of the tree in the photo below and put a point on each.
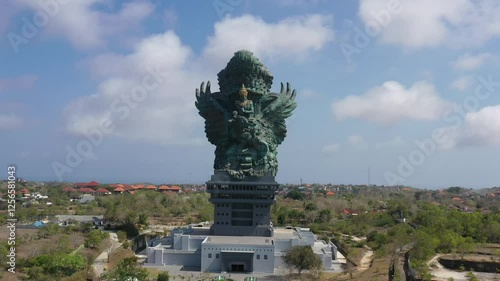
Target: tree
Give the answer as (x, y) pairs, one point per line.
(302, 258)
(281, 219)
(143, 219)
(296, 195)
(63, 245)
(325, 215)
(3, 254)
(464, 246)
(94, 238)
(455, 189)
(163, 276)
(127, 269)
(54, 265)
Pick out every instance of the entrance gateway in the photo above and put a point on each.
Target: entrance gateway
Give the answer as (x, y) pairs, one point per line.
(237, 267)
(235, 261)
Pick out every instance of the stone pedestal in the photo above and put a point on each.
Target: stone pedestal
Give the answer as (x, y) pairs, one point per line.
(242, 207)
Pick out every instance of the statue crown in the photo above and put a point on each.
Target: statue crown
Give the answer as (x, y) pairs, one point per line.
(243, 90)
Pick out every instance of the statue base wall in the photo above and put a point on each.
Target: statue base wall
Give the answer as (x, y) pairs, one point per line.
(242, 207)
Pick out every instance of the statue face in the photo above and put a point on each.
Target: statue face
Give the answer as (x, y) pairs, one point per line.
(246, 136)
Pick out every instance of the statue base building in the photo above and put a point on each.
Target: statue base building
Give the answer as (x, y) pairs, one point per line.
(196, 249)
(243, 207)
(242, 237)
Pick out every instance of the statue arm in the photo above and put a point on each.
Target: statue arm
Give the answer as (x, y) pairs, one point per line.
(278, 107)
(214, 114)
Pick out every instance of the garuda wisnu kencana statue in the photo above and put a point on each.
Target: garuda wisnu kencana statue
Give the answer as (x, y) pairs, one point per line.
(245, 121)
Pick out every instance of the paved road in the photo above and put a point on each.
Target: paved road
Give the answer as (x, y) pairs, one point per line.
(101, 262)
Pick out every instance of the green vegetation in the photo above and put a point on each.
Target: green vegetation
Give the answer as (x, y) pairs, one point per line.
(47, 266)
(433, 229)
(163, 276)
(452, 221)
(122, 235)
(162, 208)
(472, 276)
(296, 195)
(302, 258)
(94, 238)
(127, 269)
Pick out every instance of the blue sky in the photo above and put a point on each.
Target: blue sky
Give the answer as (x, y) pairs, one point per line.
(407, 89)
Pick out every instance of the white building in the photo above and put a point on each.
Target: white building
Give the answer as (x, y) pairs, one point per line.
(194, 248)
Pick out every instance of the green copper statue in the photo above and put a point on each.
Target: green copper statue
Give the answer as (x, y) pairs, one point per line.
(245, 121)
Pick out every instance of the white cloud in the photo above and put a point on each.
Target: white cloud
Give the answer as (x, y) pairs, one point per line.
(463, 83)
(357, 142)
(165, 50)
(331, 148)
(476, 129)
(168, 115)
(10, 121)
(395, 142)
(430, 23)
(392, 102)
(293, 37)
(470, 62)
(307, 94)
(86, 25)
(17, 83)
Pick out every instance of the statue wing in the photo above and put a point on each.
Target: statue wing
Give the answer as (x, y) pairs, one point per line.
(276, 108)
(214, 114)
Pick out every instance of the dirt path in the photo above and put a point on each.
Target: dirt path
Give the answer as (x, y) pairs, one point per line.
(434, 261)
(443, 274)
(366, 260)
(101, 262)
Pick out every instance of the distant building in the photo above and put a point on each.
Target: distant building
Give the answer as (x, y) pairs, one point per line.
(38, 224)
(349, 212)
(150, 187)
(96, 220)
(164, 188)
(69, 189)
(86, 190)
(25, 192)
(92, 184)
(86, 198)
(103, 191)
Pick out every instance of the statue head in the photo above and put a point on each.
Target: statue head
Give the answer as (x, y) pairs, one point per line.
(245, 68)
